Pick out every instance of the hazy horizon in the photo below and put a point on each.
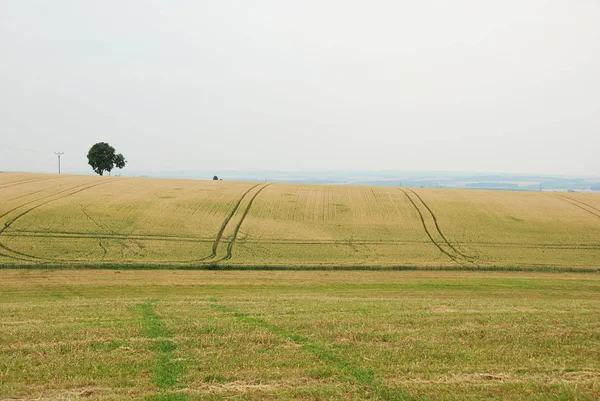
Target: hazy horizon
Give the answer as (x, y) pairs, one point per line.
(183, 173)
(462, 86)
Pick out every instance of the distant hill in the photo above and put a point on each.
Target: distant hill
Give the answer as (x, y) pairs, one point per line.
(425, 179)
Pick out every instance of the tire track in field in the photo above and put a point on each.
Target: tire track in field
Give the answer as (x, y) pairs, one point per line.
(577, 203)
(42, 198)
(583, 203)
(442, 250)
(8, 223)
(11, 221)
(110, 235)
(166, 370)
(224, 224)
(23, 182)
(439, 230)
(236, 230)
(412, 243)
(344, 369)
(125, 237)
(100, 244)
(122, 240)
(27, 194)
(215, 245)
(14, 257)
(13, 184)
(153, 237)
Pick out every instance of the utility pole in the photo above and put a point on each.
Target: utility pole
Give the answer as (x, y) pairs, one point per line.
(58, 154)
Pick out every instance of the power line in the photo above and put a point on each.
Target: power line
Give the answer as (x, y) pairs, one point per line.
(58, 154)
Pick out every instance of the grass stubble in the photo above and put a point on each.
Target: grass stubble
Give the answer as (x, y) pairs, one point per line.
(191, 335)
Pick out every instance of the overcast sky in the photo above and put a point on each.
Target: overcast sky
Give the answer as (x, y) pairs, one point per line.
(471, 85)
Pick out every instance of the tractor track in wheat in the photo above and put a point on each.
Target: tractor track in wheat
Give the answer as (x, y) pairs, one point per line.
(23, 182)
(42, 198)
(224, 224)
(239, 225)
(278, 241)
(110, 235)
(215, 245)
(439, 230)
(27, 194)
(580, 204)
(23, 213)
(433, 241)
(583, 203)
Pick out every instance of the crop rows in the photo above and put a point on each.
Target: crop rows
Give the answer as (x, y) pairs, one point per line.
(232, 221)
(119, 221)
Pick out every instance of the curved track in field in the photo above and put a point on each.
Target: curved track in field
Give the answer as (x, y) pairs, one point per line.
(453, 254)
(75, 190)
(433, 241)
(109, 235)
(580, 204)
(239, 225)
(228, 218)
(75, 234)
(583, 203)
(28, 194)
(439, 230)
(23, 182)
(229, 234)
(273, 241)
(17, 183)
(39, 199)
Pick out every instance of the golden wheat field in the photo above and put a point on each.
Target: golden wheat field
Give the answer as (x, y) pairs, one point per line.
(68, 220)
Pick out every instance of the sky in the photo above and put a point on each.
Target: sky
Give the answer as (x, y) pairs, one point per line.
(459, 85)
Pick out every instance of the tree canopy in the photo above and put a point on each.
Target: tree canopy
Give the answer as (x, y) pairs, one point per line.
(102, 158)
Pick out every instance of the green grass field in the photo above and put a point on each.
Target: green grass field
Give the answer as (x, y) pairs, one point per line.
(85, 221)
(221, 335)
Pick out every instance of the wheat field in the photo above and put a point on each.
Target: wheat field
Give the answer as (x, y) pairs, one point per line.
(79, 221)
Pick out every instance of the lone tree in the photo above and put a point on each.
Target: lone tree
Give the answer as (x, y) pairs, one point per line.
(102, 158)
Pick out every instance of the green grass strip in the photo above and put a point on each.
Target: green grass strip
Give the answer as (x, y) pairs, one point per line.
(167, 266)
(166, 372)
(367, 379)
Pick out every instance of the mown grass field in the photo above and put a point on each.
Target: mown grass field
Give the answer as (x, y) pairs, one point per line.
(298, 335)
(77, 221)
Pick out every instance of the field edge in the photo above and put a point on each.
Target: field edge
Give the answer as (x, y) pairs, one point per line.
(536, 269)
